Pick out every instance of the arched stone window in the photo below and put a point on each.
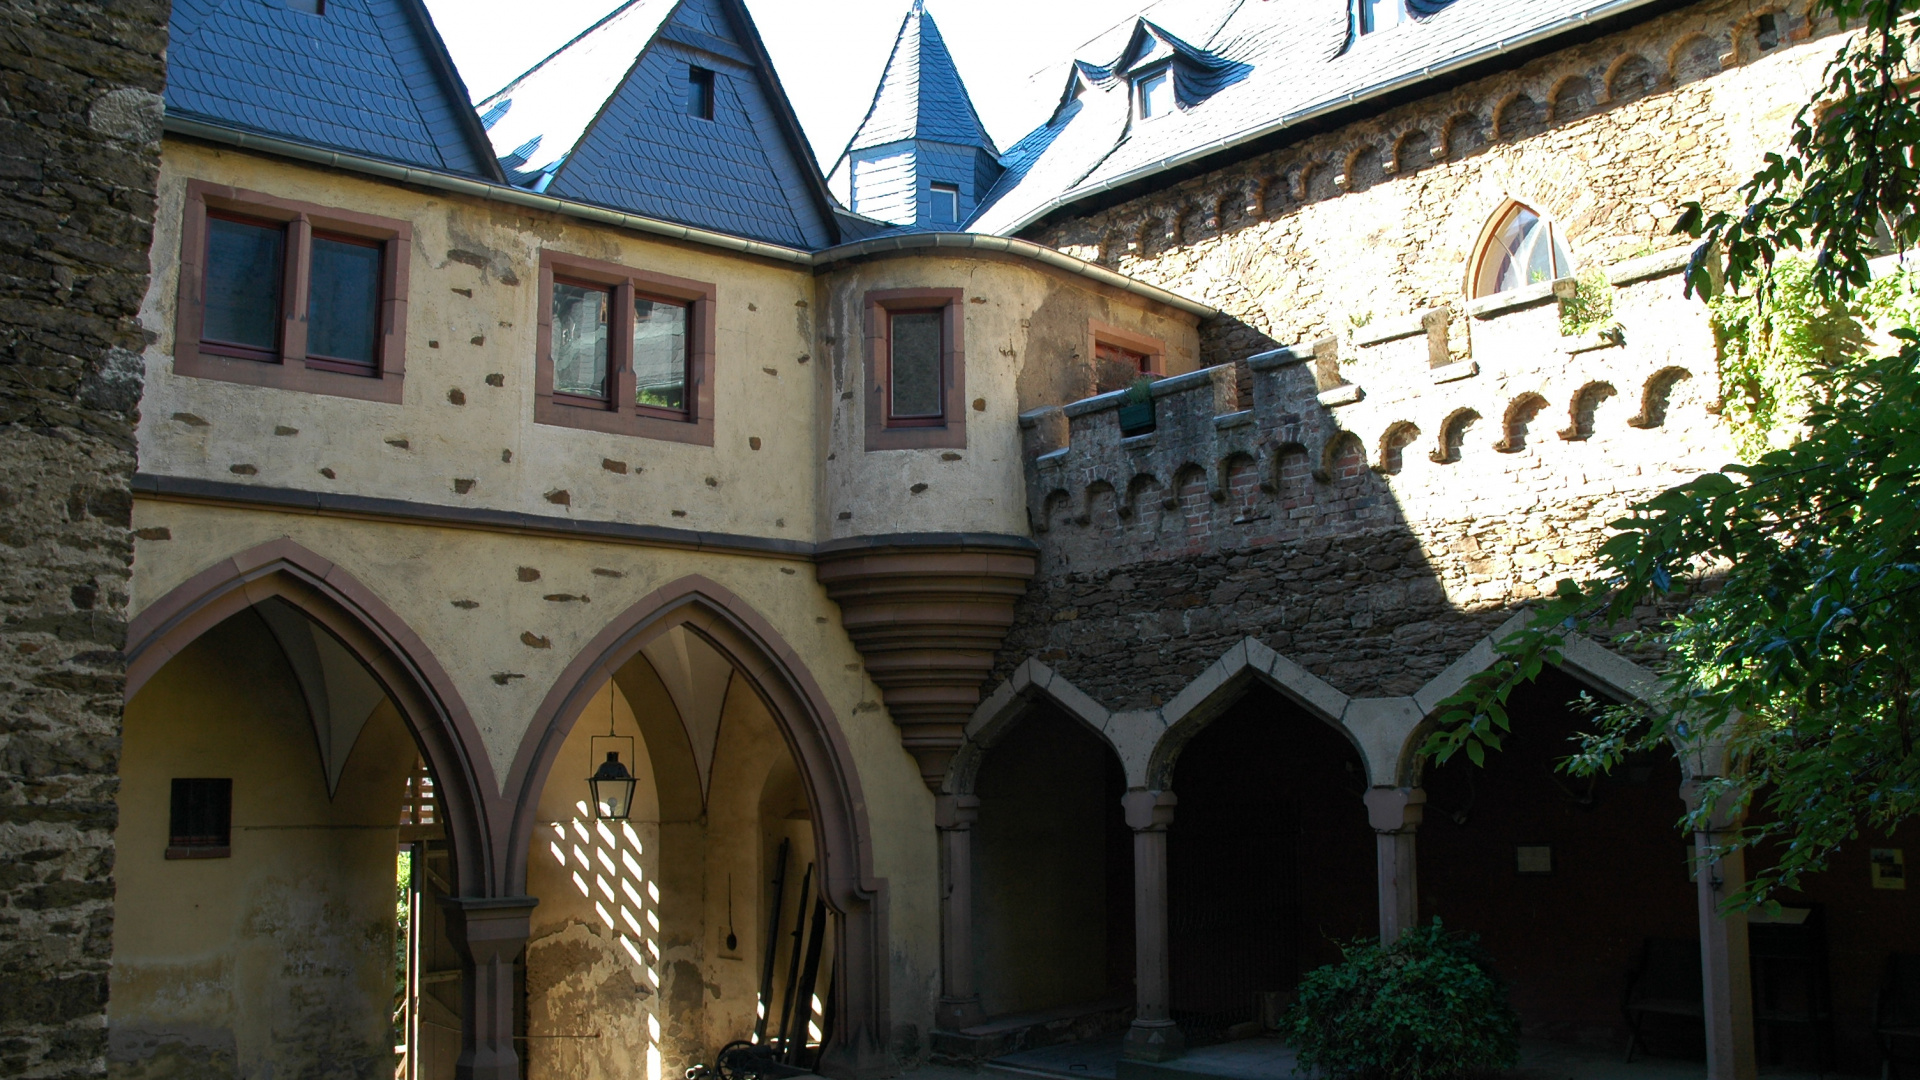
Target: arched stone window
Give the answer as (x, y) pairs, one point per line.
(1521, 248)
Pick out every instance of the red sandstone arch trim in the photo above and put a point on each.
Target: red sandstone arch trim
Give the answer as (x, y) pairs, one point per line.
(799, 707)
(396, 657)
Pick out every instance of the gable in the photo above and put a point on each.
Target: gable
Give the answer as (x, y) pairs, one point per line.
(369, 77)
(740, 172)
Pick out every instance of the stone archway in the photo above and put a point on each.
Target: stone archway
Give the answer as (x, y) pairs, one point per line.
(812, 732)
(488, 920)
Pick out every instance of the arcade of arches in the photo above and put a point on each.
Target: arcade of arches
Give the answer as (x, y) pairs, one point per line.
(367, 889)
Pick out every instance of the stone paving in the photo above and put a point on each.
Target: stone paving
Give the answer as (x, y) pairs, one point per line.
(1271, 1059)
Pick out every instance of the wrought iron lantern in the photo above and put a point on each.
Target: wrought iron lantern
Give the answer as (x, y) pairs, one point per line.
(612, 787)
(612, 783)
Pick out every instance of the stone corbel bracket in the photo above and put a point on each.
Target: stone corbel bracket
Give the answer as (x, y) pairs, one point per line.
(927, 612)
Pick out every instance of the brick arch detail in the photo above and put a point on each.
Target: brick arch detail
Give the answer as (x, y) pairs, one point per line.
(842, 835)
(397, 658)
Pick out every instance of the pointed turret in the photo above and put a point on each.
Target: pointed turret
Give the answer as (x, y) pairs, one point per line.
(921, 156)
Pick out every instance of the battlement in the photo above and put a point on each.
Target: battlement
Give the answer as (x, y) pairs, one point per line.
(1302, 442)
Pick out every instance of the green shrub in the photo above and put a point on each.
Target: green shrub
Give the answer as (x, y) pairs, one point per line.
(1427, 1007)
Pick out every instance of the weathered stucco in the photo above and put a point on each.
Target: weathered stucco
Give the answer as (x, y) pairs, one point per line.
(463, 592)
(1027, 343)
(279, 960)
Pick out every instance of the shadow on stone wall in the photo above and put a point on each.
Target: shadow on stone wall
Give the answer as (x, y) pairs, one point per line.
(1248, 511)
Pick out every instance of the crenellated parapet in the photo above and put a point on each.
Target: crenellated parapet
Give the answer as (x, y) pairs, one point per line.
(1383, 430)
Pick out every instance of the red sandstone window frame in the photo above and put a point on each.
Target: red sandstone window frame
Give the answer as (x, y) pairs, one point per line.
(948, 429)
(289, 367)
(1153, 348)
(619, 413)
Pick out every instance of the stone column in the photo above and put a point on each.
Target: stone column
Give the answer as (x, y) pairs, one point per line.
(490, 933)
(1726, 972)
(1394, 814)
(954, 816)
(1153, 1036)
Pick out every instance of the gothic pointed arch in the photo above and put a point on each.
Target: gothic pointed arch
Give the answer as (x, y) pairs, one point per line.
(774, 672)
(393, 654)
(1031, 683)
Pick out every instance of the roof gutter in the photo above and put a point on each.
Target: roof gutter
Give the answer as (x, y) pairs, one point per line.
(480, 189)
(1488, 51)
(1040, 253)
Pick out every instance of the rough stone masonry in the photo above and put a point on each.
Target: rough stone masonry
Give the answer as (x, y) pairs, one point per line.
(80, 116)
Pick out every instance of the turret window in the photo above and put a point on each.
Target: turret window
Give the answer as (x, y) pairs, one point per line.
(1156, 94)
(916, 369)
(946, 204)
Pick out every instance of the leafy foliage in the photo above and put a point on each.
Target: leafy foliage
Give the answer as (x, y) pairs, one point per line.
(1591, 305)
(1427, 1007)
(1794, 657)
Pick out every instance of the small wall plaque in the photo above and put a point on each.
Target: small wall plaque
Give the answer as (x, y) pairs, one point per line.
(1533, 858)
(1889, 868)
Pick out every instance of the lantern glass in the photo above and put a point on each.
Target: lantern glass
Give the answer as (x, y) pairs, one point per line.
(612, 787)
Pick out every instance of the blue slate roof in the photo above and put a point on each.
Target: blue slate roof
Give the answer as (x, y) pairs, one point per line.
(1255, 69)
(603, 120)
(368, 77)
(921, 95)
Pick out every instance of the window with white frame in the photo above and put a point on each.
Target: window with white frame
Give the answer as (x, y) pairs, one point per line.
(946, 204)
(1522, 248)
(1156, 94)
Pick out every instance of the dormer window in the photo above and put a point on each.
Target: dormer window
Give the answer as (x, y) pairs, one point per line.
(699, 93)
(1377, 15)
(1156, 94)
(946, 204)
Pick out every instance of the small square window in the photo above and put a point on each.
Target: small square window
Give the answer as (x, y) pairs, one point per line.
(946, 204)
(311, 7)
(914, 366)
(1156, 95)
(200, 825)
(1376, 15)
(699, 93)
(1767, 31)
(580, 336)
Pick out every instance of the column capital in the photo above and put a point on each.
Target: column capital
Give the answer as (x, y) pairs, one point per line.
(955, 811)
(1148, 811)
(1394, 810)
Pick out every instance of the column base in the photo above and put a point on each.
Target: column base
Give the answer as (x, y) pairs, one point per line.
(958, 1014)
(1153, 1040)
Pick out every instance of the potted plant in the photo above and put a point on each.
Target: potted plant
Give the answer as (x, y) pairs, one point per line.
(1136, 408)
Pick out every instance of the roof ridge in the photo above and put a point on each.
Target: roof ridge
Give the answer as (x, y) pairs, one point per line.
(571, 42)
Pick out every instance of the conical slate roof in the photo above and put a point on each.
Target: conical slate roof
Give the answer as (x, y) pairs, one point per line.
(921, 95)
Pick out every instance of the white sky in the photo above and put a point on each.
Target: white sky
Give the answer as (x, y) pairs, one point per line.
(829, 53)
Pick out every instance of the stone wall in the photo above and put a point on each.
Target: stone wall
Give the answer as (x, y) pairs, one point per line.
(1371, 501)
(1379, 219)
(79, 151)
